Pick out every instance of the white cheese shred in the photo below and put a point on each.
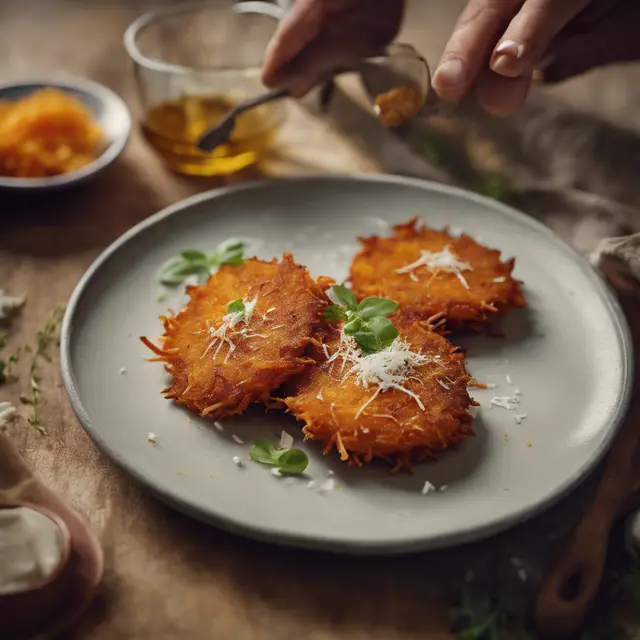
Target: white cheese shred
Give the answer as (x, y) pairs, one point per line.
(236, 439)
(444, 261)
(505, 402)
(388, 369)
(152, 438)
(219, 335)
(286, 440)
(428, 488)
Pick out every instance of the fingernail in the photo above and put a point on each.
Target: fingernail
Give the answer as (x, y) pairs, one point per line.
(511, 48)
(449, 75)
(506, 53)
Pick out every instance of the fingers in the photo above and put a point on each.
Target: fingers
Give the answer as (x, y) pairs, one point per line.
(297, 29)
(502, 96)
(615, 39)
(469, 47)
(319, 59)
(530, 34)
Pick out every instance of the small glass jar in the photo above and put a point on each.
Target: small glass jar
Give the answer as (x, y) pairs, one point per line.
(193, 62)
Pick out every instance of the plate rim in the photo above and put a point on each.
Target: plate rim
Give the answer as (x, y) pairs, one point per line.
(411, 544)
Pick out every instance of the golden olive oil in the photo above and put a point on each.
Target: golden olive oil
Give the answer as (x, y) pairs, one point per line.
(173, 128)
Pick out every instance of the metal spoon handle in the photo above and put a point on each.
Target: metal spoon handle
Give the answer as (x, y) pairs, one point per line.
(270, 96)
(219, 133)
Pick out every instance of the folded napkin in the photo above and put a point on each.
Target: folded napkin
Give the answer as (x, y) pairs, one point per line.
(619, 260)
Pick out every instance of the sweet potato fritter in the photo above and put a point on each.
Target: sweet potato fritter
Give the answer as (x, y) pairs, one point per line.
(431, 273)
(422, 416)
(220, 363)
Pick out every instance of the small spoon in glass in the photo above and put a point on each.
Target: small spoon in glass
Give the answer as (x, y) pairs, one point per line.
(401, 67)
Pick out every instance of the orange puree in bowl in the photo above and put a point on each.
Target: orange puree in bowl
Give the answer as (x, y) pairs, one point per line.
(47, 133)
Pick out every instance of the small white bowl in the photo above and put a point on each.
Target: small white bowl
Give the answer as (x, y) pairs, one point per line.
(109, 111)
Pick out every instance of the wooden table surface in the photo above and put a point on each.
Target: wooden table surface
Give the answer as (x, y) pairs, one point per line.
(166, 575)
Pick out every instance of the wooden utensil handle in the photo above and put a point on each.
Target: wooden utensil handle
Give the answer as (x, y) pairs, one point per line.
(572, 584)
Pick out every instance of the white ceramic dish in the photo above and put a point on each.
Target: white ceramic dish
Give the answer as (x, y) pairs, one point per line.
(569, 354)
(110, 112)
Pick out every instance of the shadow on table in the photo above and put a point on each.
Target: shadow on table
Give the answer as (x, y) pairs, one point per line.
(93, 215)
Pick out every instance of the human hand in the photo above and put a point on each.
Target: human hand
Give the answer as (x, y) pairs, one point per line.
(515, 37)
(318, 36)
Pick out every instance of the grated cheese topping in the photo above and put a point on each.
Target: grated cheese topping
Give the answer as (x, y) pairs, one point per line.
(505, 402)
(444, 261)
(286, 441)
(237, 439)
(427, 488)
(219, 335)
(388, 369)
(152, 438)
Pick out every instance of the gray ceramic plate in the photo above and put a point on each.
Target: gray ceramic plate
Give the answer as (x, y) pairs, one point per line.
(568, 355)
(109, 111)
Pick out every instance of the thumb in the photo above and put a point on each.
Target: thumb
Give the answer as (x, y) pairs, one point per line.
(614, 39)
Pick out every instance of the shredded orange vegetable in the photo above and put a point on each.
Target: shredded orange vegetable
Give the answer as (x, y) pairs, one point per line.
(47, 133)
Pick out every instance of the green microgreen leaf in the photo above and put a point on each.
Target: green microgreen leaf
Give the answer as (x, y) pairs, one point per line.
(263, 452)
(376, 307)
(344, 297)
(366, 322)
(228, 252)
(353, 325)
(291, 461)
(334, 313)
(367, 341)
(384, 330)
(192, 262)
(193, 255)
(236, 306)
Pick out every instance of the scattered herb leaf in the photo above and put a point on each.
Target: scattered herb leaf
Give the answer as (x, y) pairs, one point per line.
(236, 306)
(46, 336)
(192, 262)
(376, 308)
(496, 186)
(334, 313)
(366, 322)
(291, 461)
(343, 297)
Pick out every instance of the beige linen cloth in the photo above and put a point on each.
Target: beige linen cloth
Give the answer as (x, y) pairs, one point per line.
(619, 259)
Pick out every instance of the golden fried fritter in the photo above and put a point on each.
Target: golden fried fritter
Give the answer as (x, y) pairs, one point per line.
(431, 273)
(220, 360)
(393, 405)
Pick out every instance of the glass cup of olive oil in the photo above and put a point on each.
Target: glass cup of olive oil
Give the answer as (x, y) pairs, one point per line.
(193, 63)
